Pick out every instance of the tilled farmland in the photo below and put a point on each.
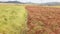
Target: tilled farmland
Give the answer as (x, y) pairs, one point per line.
(43, 20)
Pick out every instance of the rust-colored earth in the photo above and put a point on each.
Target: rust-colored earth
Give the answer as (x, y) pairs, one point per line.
(43, 20)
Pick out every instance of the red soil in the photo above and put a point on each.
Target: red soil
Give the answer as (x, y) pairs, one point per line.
(43, 20)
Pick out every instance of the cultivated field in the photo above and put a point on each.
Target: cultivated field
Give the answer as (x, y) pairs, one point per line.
(40, 19)
(12, 19)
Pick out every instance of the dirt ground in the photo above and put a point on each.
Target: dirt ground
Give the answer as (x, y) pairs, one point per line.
(43, 20)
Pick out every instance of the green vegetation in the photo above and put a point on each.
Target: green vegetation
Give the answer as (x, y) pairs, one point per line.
(12, 19)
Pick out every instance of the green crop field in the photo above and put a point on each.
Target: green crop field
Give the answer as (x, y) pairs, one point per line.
(12, 19)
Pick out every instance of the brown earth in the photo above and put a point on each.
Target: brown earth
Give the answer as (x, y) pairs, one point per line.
(43, 20)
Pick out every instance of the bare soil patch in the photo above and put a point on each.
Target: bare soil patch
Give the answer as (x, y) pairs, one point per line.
(43, 20)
